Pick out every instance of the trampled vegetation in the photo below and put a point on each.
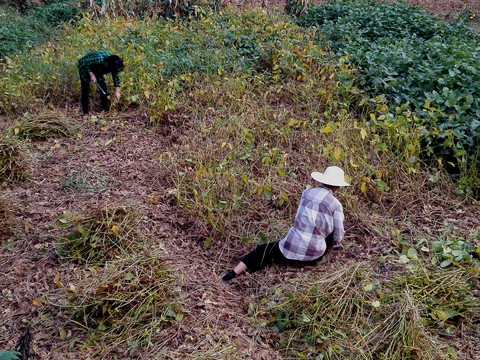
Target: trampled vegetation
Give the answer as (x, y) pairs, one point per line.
(226, 115)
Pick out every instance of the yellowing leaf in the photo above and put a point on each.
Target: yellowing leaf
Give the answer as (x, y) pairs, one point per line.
(154, 201)
(62, 333)
(101, 288)
(363, 133)
(327, 129)
(37, 302)
(384, 107)
(439, 314)
(281, 172)
(337, 152)
(16, 131)
(147, 94)
(57, 281)
(115, 229)
(473, 272)
(363, 187)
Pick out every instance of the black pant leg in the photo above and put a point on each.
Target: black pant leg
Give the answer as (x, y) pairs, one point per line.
(262, 256)
(85, 94)
(329, 241)
(103, 97)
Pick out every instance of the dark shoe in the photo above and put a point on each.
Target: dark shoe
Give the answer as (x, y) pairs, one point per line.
(229, 276)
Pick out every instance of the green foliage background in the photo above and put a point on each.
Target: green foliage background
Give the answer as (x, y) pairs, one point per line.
(33, 26)
(409, 56)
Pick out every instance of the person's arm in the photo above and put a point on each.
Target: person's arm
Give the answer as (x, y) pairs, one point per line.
(338, 230)
(116, 83)
(92, 77)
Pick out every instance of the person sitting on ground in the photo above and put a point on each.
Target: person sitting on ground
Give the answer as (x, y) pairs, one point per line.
(318, 228)
(92, 67)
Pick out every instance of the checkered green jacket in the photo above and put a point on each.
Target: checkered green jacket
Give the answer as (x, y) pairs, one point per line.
(96, 62)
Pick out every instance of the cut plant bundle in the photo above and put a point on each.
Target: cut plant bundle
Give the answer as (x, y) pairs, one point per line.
(128, 299)
(355, 314)
(100, 235)
(42, 126)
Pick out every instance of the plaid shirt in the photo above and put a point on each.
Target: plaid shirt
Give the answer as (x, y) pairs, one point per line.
(319, 214)
(96, 62)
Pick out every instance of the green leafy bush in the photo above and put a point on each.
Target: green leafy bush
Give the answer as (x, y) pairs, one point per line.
(18, 31)
(411, 57)
(161, 58)
(453, 249)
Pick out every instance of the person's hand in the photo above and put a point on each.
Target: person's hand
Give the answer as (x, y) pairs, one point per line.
(117, 93)
(93, 77)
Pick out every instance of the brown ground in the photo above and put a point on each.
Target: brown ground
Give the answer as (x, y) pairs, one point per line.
(215, 316)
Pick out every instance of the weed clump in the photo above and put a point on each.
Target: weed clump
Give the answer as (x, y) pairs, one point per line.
(85, 181)
(42, 126)
(128, 299)
(14, 160)
(101, 235)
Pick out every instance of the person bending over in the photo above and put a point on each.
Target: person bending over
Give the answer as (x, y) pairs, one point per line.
(94, 66)
(318, 228)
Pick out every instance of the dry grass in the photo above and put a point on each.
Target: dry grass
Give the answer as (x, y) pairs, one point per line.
(14, 160)
(6, 218)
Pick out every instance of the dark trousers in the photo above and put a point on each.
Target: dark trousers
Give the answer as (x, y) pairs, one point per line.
(268, 253)
(86, 93)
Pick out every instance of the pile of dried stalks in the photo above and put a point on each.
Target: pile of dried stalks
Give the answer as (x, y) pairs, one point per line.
(357, 314)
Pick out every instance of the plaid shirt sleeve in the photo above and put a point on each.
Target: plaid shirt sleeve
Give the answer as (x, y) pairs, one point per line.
(338, 230)
(116, 79)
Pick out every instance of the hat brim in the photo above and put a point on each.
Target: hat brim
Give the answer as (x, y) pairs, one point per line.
(321, 178)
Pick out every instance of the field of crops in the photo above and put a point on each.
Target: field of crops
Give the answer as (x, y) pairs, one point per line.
(115, 230)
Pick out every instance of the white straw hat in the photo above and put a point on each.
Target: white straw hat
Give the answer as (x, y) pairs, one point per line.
(333, 176)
